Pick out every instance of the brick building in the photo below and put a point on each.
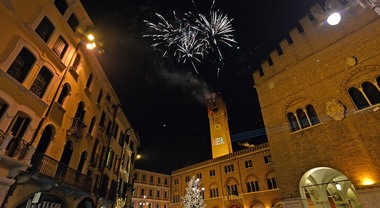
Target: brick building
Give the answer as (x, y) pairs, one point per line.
(319, 96)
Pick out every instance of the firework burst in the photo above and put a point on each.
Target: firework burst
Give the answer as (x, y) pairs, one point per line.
(192, 36)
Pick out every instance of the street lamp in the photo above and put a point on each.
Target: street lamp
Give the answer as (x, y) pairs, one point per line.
(334, 8)
(144, 202)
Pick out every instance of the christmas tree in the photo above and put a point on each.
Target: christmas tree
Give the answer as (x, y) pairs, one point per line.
(194, 194)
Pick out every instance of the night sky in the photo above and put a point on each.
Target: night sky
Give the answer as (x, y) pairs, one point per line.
(167, 111)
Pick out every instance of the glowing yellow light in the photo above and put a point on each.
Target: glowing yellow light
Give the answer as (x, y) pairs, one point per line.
(91, 45)
(138, 156)
(90, 37)
(368, 182)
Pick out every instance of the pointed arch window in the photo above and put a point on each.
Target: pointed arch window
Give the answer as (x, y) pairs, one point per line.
(64, 93)
(293, 122)
(371, 92)
(253, 186)
(312, 115)
(358, 98)
(272, 183)
(302, 118)
(21, 66)
(41, 82)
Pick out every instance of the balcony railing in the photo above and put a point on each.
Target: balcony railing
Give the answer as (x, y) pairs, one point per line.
(60, 172)
(17, 148)
(77, 128)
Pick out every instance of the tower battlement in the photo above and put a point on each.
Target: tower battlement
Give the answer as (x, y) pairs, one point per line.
(313, 35)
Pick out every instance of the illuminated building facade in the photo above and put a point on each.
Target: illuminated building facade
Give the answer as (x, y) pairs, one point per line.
(64, 139)
(151, 189)
(319, 96)
(245, 178)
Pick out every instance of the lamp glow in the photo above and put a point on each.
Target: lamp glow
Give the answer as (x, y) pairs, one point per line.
(334, 18)
(368, 182)
(338, 186)
(91, 45)
(90, 37)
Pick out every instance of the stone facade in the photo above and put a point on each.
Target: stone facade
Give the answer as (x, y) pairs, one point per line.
(64, 139)
(151, 189)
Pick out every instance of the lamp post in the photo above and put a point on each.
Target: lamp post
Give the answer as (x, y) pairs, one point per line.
(144, 202)
(334, 7)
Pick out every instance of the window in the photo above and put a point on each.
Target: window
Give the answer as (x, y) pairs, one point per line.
(76, 62)
(150, 192)
(302, 118)
(187, 178)
(253, 186)
(115, 131)
(143, 178)
(41, 82)
(358, 98)
(248, 164)
(45, 29)
(102, 119)
(61, 6)
(60, 47)
(109, 158)
(116, 167)
(214, 192)
(199, 175)
(159, 180)
(142, 192)
(371, 92)
(272, 183)
(92, 124)
(89, 81)
(3, 108)
(212, 173)
(268, 159)
(165, 181)
(228, 168)
(94, 155)
(73, 22)
(176, 199)
(158, 193)
(100, 95)
(108, 130)
(293, 122)
(176, 181)
(64, 94)
(232, 189)
(151, 179)
(312, 115)
(165, 195)
(19, 125)
(21, 66)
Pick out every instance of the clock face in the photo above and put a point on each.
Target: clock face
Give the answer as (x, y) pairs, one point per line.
(217, 126)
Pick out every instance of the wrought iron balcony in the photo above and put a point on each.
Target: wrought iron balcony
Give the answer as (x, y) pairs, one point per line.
(60, 173)
(14, 147)
(77, 128)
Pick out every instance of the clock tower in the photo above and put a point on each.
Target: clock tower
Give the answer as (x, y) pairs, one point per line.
(220, 133)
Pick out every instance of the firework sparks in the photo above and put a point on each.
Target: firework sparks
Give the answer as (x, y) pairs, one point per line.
(192, 36)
